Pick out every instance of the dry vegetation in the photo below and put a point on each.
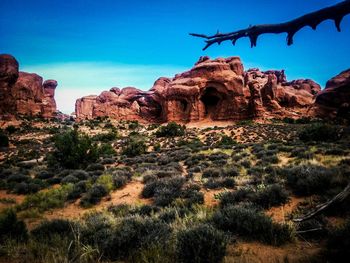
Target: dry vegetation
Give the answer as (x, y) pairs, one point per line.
(105, 191)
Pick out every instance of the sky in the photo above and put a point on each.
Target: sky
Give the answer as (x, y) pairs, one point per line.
(89, 46)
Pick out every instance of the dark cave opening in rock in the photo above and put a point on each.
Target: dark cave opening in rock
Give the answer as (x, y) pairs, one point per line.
(211, 99)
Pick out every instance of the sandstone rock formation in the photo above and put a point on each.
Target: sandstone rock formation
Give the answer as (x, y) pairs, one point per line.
(216, 89)
(24, 94)
(334, 100)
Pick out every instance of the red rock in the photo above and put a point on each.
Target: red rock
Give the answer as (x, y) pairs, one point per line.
(334, 100)
(217, 89)
(24, 93)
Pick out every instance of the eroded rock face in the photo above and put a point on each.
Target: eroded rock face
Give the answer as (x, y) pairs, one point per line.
(334, 100)
(24, 93)
(217, 89)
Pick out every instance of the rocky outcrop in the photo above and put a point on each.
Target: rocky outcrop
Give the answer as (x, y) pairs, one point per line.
(24, 94)
(334, 100)
(217, 89)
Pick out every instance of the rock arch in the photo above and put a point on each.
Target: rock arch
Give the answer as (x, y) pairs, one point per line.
(212, 98)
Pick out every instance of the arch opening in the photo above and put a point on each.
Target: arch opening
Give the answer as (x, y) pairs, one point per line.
(211, 99)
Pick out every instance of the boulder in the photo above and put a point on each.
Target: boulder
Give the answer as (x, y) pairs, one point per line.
(24, 94)
(334, 100)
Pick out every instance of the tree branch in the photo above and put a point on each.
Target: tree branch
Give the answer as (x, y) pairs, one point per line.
(335, 13)
(343, 195)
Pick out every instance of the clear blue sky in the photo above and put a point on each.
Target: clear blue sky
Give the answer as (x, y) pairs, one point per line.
(90, 46)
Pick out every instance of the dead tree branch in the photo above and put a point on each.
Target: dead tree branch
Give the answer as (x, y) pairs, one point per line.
(335, 12)
(321, 208)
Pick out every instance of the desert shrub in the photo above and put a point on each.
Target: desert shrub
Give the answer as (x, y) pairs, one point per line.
(201, 244)
(48, 230)
(251, 224)
(11, 227)
(69, 179)
(301, 153)
(172, 129)
(226, 141)
(18, 178)
(306, 180)
(144, 210)
(134, 148)
(215, 183)
(211, 173)
(105, 137)
(245, 163)
(119, 181)
(45, 200)
(106, 149)
(26, 188)
(235, 197)
(73, 150)
(119, 210)
(95, 167)
(164, 190)
(320, 132)
(44, 175)
(93, 195)
(193, 144)
(133, 125)
(11, 129)
(80, 174)
(133, 235)
(4, 140)
(78, 189)
(230, 172)
(338, 244)
(192, 196)
(272, 195)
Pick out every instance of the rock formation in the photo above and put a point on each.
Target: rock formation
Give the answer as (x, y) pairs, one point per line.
(334, 100)
(24, 94)
(216, 89)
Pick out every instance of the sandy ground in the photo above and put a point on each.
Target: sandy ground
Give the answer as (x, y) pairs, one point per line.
(254, 252)
(4, 195)
(279, 214)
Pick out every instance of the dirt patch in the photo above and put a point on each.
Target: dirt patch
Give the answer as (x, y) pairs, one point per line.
(254, 252)
(209, 197)
(6, 199)
(279, 214)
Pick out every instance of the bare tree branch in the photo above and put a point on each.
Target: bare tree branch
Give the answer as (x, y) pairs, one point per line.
(335, 12)
(343, 195)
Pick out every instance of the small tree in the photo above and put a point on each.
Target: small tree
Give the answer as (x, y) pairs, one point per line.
(172, 129)
(134, 147)
(73, 150)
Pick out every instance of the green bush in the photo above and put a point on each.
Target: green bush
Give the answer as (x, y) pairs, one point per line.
(134, 148)
(11, 129)
(251, 224)
(73, 150)
(272, 195)
(306, 180)
(48, 230)
(11, 227)
(4, 140)
(226, 141)
(320, 132)
(94, 195)
(105, 137)
(201, 244)
(172, 129)
(45, 200)
(134, 235)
